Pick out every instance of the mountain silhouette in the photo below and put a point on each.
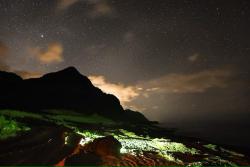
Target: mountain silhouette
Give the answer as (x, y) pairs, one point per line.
(65, 89)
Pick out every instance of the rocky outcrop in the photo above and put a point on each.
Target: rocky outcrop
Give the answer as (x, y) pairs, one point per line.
(94, 153)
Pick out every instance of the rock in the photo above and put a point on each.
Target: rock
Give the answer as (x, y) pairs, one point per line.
(104, 146)
(72, 139)
(95, 152)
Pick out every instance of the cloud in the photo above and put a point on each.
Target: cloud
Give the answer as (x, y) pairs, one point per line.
(4, 50)
(51, 55)
(96, 8)
(174, 83)
(65, 4)
(3, 56)
(198, 82)
(194, 57)
(124, 93)
(27, 74)
(100, 8)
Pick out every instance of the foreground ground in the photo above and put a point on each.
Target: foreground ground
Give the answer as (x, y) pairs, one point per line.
(67, 138)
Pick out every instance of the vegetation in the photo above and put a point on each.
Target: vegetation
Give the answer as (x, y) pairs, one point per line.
(9, 128)
(134, 144)
(64, 117)
(131, 142)
(20, 114)
(91, 119)
(211, 147)
(216, 148)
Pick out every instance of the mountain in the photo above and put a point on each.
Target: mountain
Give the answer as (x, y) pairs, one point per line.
(64, 140)
(65, 89)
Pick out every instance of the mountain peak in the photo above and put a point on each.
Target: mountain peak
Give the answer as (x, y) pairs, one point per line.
(70, 69)
(69, 74)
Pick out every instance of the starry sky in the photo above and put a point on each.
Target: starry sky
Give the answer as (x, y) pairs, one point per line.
(184, 63)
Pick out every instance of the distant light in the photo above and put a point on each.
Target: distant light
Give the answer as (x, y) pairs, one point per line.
(42, 36)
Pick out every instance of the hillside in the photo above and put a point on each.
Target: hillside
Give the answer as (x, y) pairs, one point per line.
(65, 89)
(62, 119)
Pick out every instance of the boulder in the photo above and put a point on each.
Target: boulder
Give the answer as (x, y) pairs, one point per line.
(105, 146)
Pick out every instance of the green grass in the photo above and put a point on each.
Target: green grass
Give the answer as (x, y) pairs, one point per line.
(128, 134)
(91, 119)
(9, 128)
(211, 147)
(20, 114)
(62, 112)
(60, 116)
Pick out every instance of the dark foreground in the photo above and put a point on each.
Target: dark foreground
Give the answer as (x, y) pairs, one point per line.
(53, 142)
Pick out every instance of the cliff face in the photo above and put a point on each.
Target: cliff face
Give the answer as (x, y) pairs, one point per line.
(65, 89)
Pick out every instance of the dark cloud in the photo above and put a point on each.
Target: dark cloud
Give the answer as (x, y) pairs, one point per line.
(27, 74)
(194, 57)
(96, 8)
(65, 4)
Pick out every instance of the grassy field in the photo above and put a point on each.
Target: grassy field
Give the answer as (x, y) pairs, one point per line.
(63, 116)
(20, 114)
(10, 120)
(91, 119)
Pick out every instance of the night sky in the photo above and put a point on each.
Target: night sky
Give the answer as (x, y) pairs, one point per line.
(183, 63)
